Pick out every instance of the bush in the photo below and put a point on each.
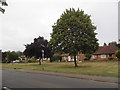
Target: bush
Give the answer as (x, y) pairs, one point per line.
(86, 59)
(117, 54)
(10, 56)
(94, 59)
(87, 56)
(32, 60)
(4, 60)
(56, 57)
(29, 61)
(110, 58)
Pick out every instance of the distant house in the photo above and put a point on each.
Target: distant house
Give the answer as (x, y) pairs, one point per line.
(68, 58)
(105, 52)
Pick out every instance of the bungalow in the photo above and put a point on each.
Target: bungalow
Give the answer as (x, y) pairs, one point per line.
(68, 58)
(105, 53)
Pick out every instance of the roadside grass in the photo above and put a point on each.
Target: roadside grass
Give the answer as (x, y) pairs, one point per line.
(87, 68)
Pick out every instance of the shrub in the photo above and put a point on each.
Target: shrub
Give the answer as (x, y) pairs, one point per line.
(110, 58)
(118, 54)
(87, 56)
(4, 60)
(32, 60)
(11, 56)
(56, 57)
(86, 59)
(29, 61)
(95, 59)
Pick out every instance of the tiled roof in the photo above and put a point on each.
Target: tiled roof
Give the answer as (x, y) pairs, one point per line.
(106, 50)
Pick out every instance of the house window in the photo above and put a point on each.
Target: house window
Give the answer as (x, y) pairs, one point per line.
(103, 56)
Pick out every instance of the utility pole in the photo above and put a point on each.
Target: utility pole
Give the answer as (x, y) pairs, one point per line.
(42, 59)
(42, 54)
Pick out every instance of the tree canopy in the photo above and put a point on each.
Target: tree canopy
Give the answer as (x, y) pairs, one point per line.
(73, 33)
(9, 56)
(35, 48)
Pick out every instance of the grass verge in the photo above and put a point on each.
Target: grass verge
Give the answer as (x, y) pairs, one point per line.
(86, 68)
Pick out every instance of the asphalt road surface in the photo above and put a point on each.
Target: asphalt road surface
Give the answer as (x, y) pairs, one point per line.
(22, 79)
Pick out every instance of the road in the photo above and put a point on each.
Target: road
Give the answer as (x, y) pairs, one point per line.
(22, 79)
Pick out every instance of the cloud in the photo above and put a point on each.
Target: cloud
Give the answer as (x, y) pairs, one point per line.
(25, 20)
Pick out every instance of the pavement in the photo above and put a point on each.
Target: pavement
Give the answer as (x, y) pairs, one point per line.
(78, 76)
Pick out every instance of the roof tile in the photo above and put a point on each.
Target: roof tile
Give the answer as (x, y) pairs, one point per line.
(106, 50)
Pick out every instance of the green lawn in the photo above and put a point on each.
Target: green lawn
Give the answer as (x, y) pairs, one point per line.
(87, 68)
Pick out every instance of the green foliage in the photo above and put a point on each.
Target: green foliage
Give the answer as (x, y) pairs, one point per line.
(9, 56)
(110, 58)
(73, 33)
(4, 60)
(56, 57)
(32, 60)
(87, 56)
(94, 59)
(35, 48)
(87, 68)
(19, 53)
(117, 54)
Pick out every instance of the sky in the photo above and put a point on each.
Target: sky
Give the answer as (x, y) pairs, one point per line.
(25, 20)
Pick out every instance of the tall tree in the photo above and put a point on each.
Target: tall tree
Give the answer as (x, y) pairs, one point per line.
(35, 49)
(73, 33)
(3, 2)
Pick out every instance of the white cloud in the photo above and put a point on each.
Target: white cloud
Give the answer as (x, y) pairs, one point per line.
(25, 20)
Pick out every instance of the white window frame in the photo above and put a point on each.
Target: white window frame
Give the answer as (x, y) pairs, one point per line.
(103, 56)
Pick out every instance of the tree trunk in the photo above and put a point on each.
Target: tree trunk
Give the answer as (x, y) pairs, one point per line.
(39, 61)
(75, 61)
(50, 59)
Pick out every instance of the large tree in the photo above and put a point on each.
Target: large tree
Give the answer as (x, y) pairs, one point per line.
(73, 33)
(35, 49)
